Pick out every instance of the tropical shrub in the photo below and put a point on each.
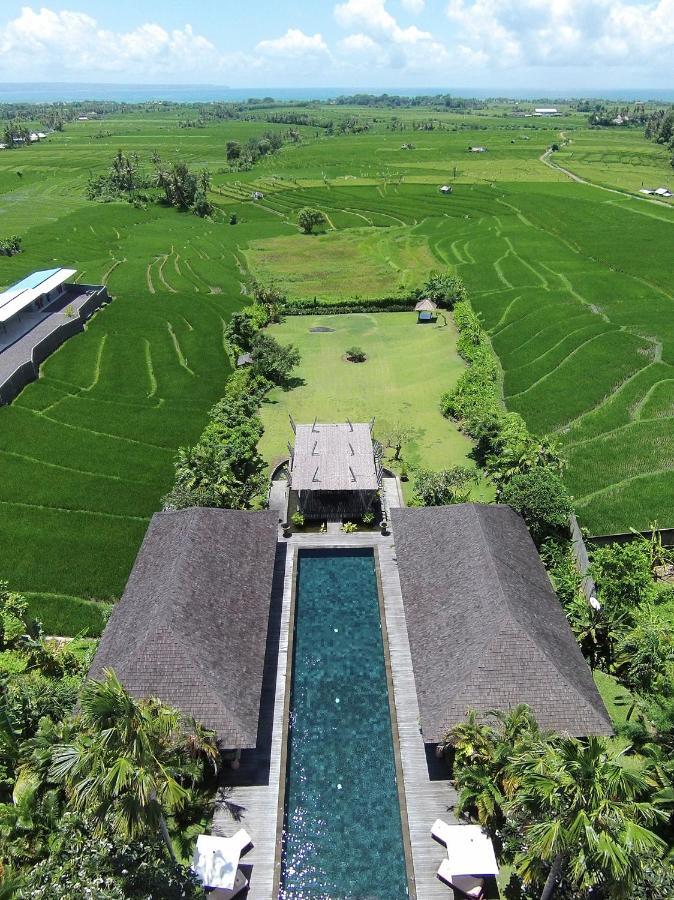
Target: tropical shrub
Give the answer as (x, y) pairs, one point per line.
(272, 360)
(541, 499)
(445, 487)
(356, 354)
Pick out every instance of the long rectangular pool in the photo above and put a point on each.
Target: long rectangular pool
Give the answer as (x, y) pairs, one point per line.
(342, 830)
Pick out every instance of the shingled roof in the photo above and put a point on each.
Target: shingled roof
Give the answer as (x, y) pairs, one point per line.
(334, 457)
(486, 629)
(191, 627)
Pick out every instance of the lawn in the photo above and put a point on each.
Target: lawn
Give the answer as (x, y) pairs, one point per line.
(407, 369)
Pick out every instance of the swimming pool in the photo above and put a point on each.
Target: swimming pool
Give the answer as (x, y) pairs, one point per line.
(342, 831)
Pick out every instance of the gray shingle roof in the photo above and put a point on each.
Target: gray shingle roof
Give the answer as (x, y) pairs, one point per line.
(486, 629)
(334, 457)
(191, 627)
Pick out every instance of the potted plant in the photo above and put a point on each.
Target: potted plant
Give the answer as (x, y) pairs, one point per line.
(368, 517)
(297, 519)
(287, 530)
(349, 527)
(383, 526)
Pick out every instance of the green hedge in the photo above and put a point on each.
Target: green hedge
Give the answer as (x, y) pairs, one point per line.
(477, 395)
(313, 306)
(68, 616)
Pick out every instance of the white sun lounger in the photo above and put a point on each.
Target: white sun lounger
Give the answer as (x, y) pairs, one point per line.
(241, 840)
(468, 885)
(240, 882)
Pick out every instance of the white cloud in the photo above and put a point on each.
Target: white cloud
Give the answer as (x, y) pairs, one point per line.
(565, 32)
(404, 47)
(294, 43)
(413, 6)
(67, 41)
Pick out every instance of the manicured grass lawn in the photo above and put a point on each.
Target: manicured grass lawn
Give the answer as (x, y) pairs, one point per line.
(408, 368)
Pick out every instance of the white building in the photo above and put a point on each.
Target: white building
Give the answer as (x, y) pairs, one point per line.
(33, 293)
(546, 111)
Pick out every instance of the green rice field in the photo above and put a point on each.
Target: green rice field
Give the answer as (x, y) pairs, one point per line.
(572, 281)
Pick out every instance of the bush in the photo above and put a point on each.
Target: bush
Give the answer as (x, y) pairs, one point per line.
(297, 519)
(444, 289)
(445, 487)
(356, 354)
(313, 306)
(272, 360)
(541, 499)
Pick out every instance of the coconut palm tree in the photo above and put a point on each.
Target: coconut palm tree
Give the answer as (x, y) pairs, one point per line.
(582, 814)
(132, 762)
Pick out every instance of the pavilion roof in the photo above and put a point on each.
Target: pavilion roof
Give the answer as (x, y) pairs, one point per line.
(334, 457)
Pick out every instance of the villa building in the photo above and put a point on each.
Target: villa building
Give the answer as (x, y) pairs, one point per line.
(486, 628)
(296, 651)
(191, 627)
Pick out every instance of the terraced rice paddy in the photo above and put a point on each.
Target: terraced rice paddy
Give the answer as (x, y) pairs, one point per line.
(573, 283)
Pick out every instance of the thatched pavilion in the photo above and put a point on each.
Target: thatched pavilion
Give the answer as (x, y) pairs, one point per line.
(426, 310)
(335, 469)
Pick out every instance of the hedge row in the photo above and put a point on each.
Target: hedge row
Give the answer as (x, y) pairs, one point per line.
(477, 395)
(313, 306)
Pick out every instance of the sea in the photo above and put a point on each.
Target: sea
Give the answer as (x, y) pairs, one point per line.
(194, 93)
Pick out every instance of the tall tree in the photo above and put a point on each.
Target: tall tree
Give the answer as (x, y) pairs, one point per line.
(131, 762)
(583, 816)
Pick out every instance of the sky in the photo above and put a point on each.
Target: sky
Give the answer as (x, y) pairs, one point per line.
(362, 44)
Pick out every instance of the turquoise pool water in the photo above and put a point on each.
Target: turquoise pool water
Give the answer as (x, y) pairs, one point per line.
(342, 834)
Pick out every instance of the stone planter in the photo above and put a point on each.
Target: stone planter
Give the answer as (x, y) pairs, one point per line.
(287, 529)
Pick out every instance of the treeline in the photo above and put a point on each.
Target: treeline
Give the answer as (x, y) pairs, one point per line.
(393, 100)
(173, 184)
(622, 116)
(224, 468)
(660, 128)
(242, 157)
(297, 118)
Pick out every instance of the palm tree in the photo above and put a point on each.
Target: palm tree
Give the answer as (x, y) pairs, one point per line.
(132, 761)
(582, 814)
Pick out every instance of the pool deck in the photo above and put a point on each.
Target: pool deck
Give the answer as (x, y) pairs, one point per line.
(254, 789)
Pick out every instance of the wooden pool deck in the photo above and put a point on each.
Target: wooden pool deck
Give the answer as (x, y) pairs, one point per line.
(254, 790)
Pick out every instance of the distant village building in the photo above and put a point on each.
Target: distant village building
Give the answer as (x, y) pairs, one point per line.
(446, 189)
(658, 192)
(546, 111)
(257, 195)
(244, 359)
(477, 149)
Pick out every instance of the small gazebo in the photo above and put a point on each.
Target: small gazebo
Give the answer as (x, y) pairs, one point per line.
(426, 310)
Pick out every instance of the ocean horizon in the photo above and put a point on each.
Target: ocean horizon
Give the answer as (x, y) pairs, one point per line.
(26, 92)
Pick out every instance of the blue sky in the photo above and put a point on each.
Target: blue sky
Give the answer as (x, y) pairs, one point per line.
(499, 44)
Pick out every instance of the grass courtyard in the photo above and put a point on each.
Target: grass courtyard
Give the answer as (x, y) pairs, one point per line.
(408, 367)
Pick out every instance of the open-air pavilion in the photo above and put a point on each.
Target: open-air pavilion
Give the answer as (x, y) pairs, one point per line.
(335, 469)
(425, 310)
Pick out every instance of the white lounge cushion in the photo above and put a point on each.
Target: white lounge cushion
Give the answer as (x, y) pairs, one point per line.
(240, 882)
(466, 884)
(241, 840)
(440, 830)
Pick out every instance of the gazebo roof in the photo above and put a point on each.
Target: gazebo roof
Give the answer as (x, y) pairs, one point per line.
(425, 304)
(334, 457)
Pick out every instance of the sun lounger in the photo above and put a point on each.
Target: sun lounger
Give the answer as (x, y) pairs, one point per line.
(467, 885)
(440, 831)
(240, 883)
(241, 840)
